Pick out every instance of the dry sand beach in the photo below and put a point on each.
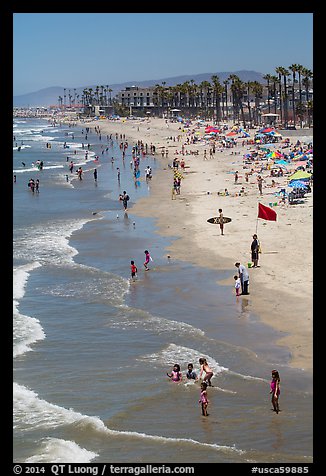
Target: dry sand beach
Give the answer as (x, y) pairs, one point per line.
(281, 289)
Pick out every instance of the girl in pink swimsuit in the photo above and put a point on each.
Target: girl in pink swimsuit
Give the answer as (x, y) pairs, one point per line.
(203, 398)
(275, 390)
(147, 259)
(175, 375)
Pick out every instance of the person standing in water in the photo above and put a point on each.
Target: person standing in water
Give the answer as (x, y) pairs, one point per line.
(204, 367)
(275, 390)
(133, 270)
(203, 398)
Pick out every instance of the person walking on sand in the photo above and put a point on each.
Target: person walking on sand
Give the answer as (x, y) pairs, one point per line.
(203, 400)
(204, 367)
(260, 184)
(95, 175)
(275, 390)
(148, 258)
(221, 220)
(244, 277)
(255, 251)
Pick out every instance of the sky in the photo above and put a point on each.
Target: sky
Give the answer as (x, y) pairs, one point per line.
(73, 50)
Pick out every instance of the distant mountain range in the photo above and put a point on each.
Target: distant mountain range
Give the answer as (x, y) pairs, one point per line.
(49, 96)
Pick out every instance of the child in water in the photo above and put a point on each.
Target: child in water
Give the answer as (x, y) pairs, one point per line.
(237, 285)
(133, 269)
(175, 375)
(148, 258)
(191, 374)
(203, 398)
(204, 367)
(275, 390)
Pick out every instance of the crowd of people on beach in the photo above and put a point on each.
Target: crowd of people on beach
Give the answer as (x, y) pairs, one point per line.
(241, 279)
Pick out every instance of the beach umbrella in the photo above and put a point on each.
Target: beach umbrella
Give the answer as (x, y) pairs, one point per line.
(274, 155)
(300, 163)
(297, 184)
(300, 175)
(267, 129)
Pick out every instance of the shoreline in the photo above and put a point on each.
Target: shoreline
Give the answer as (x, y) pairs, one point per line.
(279, 295)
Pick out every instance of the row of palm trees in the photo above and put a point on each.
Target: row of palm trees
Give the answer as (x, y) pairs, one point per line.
(100, 96)
(277, 94)
(236, 99)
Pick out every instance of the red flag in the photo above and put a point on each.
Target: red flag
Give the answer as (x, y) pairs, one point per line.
(266, 213)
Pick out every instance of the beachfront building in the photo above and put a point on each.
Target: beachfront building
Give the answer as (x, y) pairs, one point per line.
(138, 99)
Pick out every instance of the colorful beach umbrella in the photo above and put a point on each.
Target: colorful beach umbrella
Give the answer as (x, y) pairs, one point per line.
(232, 134)
(300, 175)
(274, 155)
(297, 184)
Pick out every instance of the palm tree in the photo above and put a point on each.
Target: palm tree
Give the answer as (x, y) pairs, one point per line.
(268, 78)
(294, 68)
(274, 80)
(204, 87)
(300, 72)
(283, 72)
(217, 91)
(257, 90)
(235, 106)
(249, 86)
(278, 70)
(307, 75)
(226, 82)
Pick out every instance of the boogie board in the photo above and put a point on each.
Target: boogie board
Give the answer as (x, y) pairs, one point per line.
(216, 220)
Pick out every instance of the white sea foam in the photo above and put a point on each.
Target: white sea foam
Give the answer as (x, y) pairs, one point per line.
(31, 412)
(182, 355)
(49, 243)
(102, 285)
(34, 169)
(22, 147)
(26, 329)
(61, 451)
(143, 319)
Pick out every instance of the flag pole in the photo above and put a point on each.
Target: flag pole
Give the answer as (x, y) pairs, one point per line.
(257, 219)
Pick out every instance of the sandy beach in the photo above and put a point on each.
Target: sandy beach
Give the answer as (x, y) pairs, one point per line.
(281, 288)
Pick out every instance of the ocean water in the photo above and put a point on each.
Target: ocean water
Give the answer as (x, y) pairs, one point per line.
(91, 348)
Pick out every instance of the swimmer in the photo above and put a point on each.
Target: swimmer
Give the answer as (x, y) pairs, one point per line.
(175, 375)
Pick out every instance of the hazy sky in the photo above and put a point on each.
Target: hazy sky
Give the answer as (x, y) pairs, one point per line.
(78, 49)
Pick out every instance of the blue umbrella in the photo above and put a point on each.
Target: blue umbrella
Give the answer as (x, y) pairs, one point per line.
(297, 184)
